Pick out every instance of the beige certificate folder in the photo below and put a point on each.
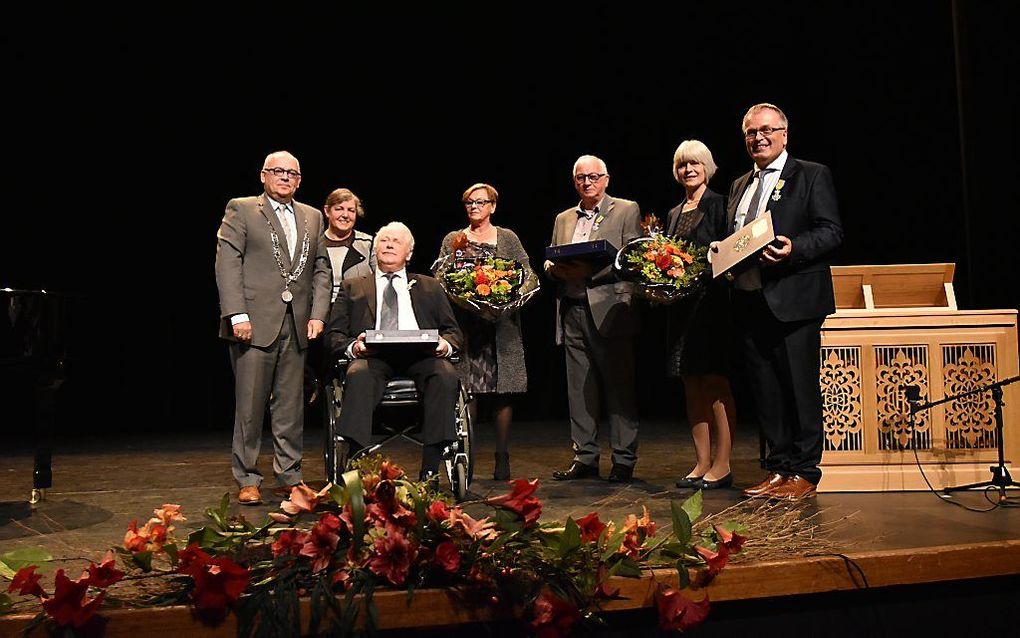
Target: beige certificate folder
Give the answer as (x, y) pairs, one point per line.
(743, 244)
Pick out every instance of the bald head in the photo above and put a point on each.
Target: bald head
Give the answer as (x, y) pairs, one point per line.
(281, 176)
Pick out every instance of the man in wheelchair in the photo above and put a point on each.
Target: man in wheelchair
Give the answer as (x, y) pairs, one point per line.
(393, 299)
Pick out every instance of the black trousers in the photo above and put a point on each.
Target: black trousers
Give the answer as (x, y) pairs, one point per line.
(437, 383)
(782, 364)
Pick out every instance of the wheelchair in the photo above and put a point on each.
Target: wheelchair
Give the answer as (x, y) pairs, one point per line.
(398, 415)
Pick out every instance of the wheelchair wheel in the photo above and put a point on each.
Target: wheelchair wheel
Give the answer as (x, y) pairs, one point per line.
(460, 480)
(335, 450)
(466, 433)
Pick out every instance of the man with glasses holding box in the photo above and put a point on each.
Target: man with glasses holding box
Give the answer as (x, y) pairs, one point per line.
(779, 304)
(274, 280)
(596, 324)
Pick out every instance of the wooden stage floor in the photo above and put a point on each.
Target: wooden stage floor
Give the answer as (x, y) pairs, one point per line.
(101, 484)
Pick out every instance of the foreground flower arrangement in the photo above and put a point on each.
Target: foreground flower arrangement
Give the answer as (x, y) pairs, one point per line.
(381, 530)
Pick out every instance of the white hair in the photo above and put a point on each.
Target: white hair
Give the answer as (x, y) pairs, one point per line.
(280, 154)
(694, 150)
(399, 227)
(602, 165)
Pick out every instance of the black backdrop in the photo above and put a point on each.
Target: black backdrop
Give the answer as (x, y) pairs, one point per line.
(134, 131)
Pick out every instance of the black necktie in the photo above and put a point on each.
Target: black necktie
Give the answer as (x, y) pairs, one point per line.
(752, 207)
(390, 319)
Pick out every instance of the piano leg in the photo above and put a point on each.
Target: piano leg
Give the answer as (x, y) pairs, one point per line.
(46, 406)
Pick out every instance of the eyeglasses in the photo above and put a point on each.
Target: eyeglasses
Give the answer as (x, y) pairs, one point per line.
(280, 172)
(767, 131)
(478, 202)
(592, 177)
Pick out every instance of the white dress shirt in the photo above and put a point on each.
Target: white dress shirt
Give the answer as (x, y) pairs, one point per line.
(405, 312)
(771, 178)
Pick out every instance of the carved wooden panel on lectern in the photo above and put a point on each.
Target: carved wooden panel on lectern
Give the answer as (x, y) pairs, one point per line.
(841, 398)
(895, 368)
(970, 421)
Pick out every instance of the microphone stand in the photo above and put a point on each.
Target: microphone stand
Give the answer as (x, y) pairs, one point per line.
(1000, 475)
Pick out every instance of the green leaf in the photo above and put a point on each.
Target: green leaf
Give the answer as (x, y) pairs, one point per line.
(507, 521)
(693, 506)
(681, 522)
(356, 493)
(683, 575)
(143, 560)
(339, 494)
(570, 539)
(5, 602)
(6, 571)
(672, 550)
(171, 553)
(24, 557)
(626, 567)
(220, 515)
(615, 541)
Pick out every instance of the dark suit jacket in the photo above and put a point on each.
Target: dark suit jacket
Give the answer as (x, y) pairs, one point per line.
(711, 224)
(355, 307)
(801, 287)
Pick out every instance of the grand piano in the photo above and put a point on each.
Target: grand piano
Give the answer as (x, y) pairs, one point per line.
(34, 330)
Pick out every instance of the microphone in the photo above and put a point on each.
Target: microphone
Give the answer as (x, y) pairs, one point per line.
(913, 396)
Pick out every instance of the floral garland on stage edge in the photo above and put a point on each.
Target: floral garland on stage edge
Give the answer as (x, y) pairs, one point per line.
(382, 530)
(665, 269)
(486, 286)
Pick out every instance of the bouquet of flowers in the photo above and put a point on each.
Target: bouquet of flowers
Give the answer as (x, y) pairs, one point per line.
(664, 268)
(379, 530)
(485, 285)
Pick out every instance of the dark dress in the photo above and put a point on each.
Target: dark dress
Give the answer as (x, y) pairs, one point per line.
(699, 333)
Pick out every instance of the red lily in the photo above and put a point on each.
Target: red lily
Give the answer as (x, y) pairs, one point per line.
(678, 612)
(448, 557)
(104, 574)
(554, 616)
(394, 555)
(520, 500)
(26, 582)
(68, 606)
(591, 527)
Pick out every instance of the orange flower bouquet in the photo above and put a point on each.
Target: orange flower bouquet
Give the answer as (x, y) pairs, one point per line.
(665, 269)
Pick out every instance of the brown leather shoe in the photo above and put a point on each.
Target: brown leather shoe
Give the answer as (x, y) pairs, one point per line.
(771, 482)
(794, 488)
(249, 495)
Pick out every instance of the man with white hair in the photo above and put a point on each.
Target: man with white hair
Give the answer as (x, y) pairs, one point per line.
(393, 299)
(596, 324)
(274, 280)
(780, 303)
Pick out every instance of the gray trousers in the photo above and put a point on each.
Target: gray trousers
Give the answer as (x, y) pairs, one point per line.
(599, 368)
(273, 375)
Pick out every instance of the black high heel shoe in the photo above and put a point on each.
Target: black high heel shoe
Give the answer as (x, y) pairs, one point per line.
(726, 481)
(690, 482)
(502, 471)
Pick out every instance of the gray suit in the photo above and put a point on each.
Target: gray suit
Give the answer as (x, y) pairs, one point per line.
(271, 368)
(597, 334)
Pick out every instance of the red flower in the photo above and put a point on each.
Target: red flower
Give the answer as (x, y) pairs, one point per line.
(391, 471)
(481, 277)
(553, 616)
(520, 500)
(715, 560)
(732, 541)
(677, 612)
(663, 262)
(68, 606)
(483, 529)
(394, 555)
(218, 584)
(151, 537)
(591, 527)
(636, 530)
(26, 581)
(321, 541)
(448, 557)
(104, 574)
(438, 512)
(190, 558)
(304, 499)
(289, 542)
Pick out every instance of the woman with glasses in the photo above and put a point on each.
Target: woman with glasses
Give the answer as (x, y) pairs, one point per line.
(350, 251)
(697, 332)
(493, 360)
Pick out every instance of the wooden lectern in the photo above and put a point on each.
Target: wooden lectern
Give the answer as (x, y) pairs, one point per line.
(897, 326)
